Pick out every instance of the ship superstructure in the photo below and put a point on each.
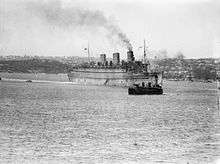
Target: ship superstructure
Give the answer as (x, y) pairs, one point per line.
(115, 72)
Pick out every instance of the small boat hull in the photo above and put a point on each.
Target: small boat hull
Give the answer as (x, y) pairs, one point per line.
(144, 91)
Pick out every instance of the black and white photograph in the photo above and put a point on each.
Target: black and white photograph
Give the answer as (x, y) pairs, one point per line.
(109, 82)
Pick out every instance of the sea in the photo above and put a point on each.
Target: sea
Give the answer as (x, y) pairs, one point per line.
(51, 120)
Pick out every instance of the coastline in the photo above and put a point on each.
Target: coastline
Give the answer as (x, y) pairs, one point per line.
(34, 77)
(62, 77)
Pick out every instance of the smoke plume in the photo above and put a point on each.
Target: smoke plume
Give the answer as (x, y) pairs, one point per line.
(70, 17)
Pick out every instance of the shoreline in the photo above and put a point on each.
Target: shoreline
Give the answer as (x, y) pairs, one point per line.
(62, 77)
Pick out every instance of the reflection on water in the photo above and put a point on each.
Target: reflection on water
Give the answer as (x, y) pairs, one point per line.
(64, 123)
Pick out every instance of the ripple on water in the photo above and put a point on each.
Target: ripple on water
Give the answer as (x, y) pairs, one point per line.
(62, 123)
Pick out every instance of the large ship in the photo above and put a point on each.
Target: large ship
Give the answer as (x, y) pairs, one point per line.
(115, 72)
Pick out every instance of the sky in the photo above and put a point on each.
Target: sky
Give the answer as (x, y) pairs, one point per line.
(66, 27)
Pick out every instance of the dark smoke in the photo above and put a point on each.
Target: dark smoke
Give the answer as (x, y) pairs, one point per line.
(56, 15)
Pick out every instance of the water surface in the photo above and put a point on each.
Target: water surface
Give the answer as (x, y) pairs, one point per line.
(65, 123)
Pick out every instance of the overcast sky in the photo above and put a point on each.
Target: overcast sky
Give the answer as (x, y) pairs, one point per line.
(65, 27)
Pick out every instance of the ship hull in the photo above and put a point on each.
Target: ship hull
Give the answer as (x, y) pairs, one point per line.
(105, 77)
(145, 91)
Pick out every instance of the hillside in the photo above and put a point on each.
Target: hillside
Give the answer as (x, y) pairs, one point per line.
(33, 66)
(173, 68)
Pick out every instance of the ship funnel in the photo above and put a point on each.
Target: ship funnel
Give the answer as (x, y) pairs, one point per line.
(130, 56)
(116, 58)
(103, 58)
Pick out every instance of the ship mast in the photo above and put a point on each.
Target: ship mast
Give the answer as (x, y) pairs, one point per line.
(88, 52)
(145, 54)
(144, 50)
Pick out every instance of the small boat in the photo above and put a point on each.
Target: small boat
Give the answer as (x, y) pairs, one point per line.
(148, 89)
(136, 89)
(28, 81)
